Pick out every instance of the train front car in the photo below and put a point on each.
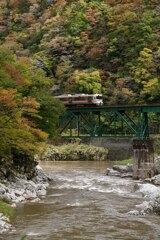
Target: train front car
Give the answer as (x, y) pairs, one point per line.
(81, 99)
(97, 99)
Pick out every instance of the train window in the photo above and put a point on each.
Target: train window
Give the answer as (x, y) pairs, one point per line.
(99, 97)
(78, 98)
(85, 98)
(90, 99)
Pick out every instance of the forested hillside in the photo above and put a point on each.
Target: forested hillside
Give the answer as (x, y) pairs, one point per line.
(108, 46)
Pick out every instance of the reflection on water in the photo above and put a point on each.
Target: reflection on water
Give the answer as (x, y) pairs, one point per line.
(84, 204)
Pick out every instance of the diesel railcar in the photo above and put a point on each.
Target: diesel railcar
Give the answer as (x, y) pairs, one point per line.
(81, 99)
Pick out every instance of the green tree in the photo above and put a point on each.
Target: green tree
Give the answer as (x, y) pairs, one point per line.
(39, 86)
(86, 81)
(145, 75)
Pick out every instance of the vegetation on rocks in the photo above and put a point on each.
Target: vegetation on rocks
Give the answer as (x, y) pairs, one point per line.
(6, 209)
(124, 162)
(73, 152)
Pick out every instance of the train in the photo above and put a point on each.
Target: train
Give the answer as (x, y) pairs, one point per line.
(81, 99)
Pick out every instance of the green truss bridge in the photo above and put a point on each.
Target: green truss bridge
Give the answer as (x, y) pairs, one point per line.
(127, 121)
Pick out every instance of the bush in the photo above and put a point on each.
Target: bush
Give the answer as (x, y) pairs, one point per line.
(6, 209)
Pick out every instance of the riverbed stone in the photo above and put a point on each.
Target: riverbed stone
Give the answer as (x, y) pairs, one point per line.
(35, 200)
(123, 168)
(156, 179)
(151, 195)
(4, 226)
(2, 190)
(136, 213)
(111, 172)
(123, 171)
(41, 192)
(19, 199)
(13, 205)
(11, 195)
(127, 175)
(2, 223)
(19, 192)
(30, 194)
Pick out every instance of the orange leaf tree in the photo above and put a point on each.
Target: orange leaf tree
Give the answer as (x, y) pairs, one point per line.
(19, 138)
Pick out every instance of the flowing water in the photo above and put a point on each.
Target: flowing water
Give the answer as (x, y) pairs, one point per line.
(84, 204)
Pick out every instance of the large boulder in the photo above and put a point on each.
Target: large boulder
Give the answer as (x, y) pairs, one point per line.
(120, 171)
(123, 168)
(156, 179)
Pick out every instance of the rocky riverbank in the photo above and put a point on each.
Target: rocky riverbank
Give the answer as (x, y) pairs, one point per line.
(149, 188)
(151, 203)
(21, 190)
(74, 152)
(15, 188)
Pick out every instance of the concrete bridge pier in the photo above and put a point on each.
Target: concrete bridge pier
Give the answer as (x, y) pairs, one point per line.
(143, 166)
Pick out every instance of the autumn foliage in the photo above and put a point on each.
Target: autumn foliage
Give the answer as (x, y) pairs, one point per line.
(21, 115)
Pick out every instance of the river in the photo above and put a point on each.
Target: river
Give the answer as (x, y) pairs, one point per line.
(83, 203)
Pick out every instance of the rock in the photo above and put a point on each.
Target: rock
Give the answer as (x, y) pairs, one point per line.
(21, 190)
(149, 190)
(41, 192)
(30, 185)
(127, 175)
(156, 179)
(136, 187)
(144, 205)
(7, 197)
(152, 195)
(123, 171)
(123, 168)
(35, 200)
(111, 172)
(5, 218)
(2, 223)
(19, 199)
(2, 190)
(41, 176)
(29, 195)
(136, 213)
(13, 205)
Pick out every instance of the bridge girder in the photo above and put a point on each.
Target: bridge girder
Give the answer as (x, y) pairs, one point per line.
(115, 122)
